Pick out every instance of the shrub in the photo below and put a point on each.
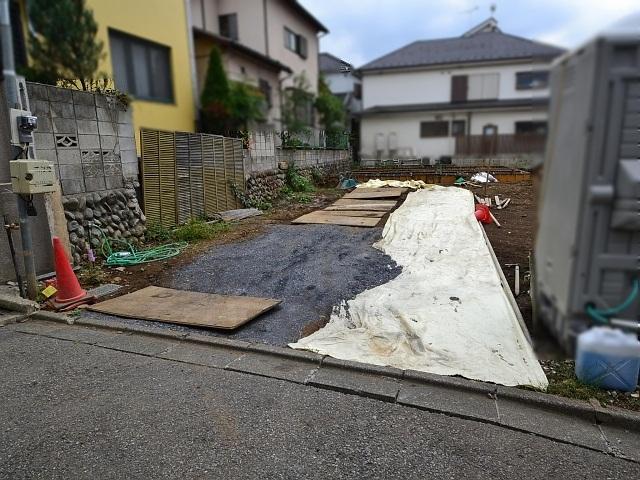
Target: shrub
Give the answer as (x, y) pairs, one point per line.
(297, 182)
(157, 233)
(196, 229)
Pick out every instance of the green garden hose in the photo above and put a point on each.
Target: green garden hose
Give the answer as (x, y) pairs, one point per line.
(131, 256)
(602, 316)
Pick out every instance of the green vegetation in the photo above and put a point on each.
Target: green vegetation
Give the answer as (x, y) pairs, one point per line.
(563, 382)
(157, 233)
(195, 230)
(63, 47)
(332, 114)
(296, 182)
(228, 107)
(297, 107)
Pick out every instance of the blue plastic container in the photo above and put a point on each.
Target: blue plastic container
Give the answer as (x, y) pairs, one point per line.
(608, 358)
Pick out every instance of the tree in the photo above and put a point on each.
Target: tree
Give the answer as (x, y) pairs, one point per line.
(332, 115)
(227, 106)
(297, 108)
(215, 95)
(330, 108)
(63, 46)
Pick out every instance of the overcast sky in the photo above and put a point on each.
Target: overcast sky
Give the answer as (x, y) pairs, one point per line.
(362, 30)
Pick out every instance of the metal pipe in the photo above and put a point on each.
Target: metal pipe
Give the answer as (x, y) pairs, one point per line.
(12, 99)
(8, 64)
(9, 227)
(633, 325)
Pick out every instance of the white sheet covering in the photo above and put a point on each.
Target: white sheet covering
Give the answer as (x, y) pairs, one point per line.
(446, 313)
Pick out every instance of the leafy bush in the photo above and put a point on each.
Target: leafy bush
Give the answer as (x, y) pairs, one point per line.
(195, 230)
(297, 182)
(157, 233)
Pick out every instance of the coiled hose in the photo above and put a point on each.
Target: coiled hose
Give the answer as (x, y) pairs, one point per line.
(601, 316)
(131, 256)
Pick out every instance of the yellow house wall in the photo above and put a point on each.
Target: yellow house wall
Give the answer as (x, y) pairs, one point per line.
(160, 21)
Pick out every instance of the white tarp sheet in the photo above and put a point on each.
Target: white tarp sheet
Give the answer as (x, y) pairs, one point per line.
(377, 183)
(446, 313)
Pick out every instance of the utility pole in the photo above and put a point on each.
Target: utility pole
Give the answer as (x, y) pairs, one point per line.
(12, 99)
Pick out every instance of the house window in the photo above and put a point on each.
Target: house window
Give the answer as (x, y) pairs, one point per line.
(296, 43)
(532, 80)
(483, 86)
(228, 25)
(458, 128)
(527, 128)
(140, 67)
(265, 88)
(434, 129)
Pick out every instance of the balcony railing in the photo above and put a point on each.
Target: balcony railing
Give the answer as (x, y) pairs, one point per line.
(500, 144)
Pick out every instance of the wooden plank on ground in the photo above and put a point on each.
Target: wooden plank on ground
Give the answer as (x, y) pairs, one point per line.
(364, 193)
(355, 201)
(322, 217)
(356, 213)
(352, 208)
(187, 308)
(381, 189)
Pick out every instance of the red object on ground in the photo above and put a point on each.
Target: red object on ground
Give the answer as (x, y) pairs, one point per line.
(70, 293)
(482, 213)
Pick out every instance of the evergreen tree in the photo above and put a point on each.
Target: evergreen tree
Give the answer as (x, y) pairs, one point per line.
(216, 85)
(227, 106)
(64, 47)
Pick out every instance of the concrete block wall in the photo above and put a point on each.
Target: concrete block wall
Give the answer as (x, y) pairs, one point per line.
(90, 139)
(263, 155)
(265, 166)
(88, 136)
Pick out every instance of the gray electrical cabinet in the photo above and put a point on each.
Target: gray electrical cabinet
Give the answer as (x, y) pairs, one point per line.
(588, 241)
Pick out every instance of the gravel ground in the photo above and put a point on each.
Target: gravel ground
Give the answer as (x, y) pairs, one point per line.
(311, 268)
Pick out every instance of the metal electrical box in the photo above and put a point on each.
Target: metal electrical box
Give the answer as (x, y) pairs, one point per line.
(588, 240)
(32, 176)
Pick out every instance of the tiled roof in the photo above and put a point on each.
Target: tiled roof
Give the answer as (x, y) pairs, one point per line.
(483, 46)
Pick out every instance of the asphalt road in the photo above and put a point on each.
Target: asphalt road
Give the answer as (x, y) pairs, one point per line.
(70, 410)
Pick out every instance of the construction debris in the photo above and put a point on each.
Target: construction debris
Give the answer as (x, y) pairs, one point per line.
(239, 214)
(483, 177)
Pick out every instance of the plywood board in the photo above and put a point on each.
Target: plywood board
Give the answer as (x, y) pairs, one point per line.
(355, 201)
(364, 193)
(381, 189)
(353, 207)
(322, 217)
(356, 213)
(187, 308)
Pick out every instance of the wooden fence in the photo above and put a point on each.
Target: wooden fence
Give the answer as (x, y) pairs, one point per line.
(500, 144)
(189, 175)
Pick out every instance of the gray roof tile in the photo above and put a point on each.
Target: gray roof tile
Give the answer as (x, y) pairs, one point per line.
(479, 47)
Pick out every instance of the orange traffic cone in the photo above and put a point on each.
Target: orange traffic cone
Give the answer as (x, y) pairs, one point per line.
(70, 294)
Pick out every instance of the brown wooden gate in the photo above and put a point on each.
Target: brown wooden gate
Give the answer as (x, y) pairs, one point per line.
(189, 175)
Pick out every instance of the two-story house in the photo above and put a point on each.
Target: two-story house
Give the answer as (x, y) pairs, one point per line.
(266, 43)
(484, 93)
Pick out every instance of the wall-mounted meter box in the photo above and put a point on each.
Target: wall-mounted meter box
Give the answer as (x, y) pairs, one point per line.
(32, 176)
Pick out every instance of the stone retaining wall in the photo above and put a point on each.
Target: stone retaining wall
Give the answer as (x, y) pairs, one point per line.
(265, 186)
(116, 212)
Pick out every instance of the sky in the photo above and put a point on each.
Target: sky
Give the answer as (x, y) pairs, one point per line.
(362, 30)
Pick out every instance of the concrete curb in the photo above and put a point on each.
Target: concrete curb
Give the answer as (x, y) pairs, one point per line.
(18, 304)
(542, 401)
